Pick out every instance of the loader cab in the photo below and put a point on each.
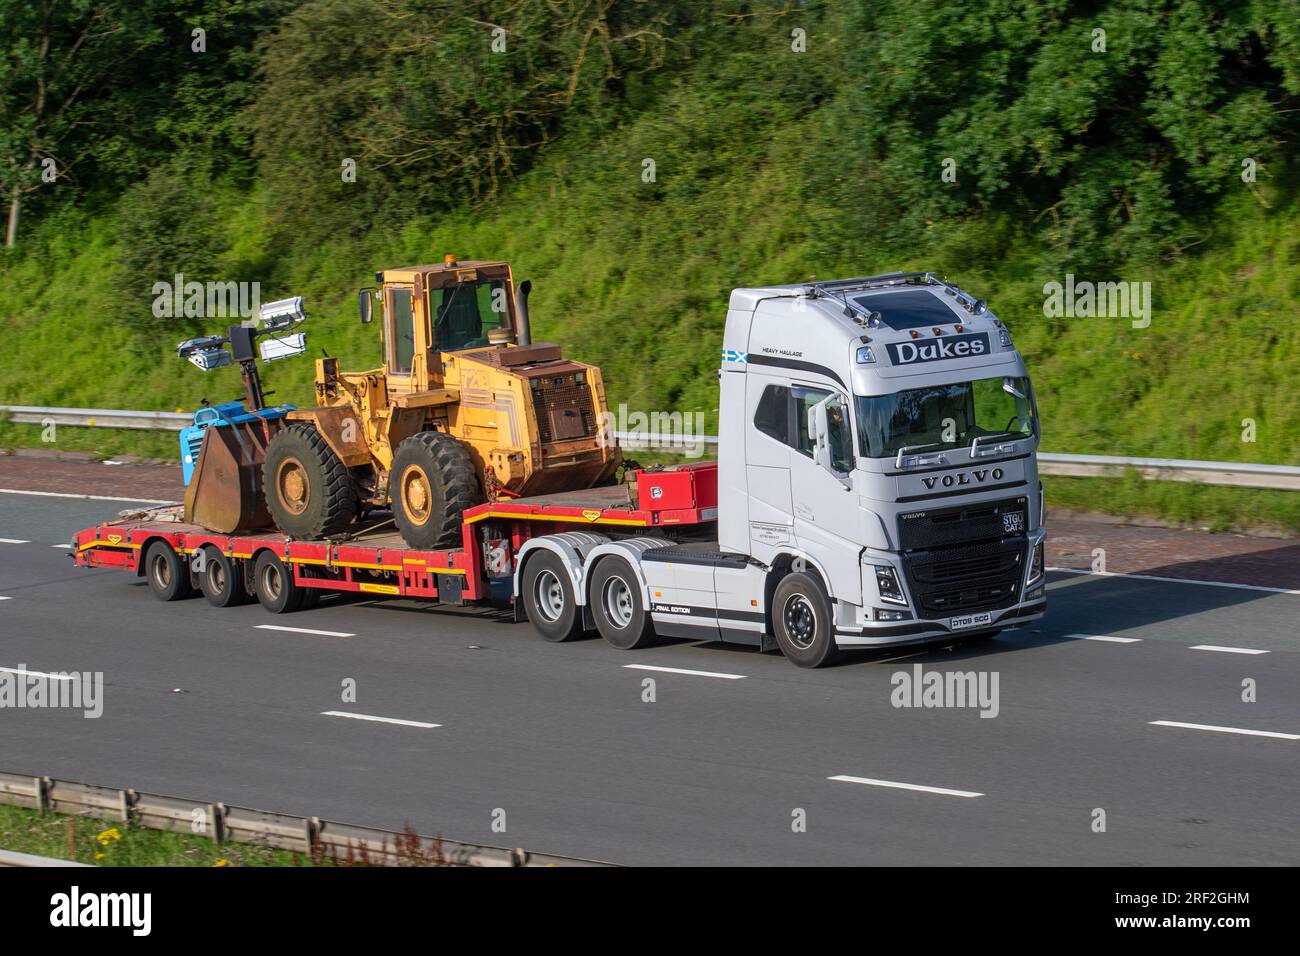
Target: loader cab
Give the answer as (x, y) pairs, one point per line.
(436, 309)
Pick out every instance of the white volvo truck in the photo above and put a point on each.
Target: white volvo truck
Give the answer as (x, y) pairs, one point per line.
(877, 485)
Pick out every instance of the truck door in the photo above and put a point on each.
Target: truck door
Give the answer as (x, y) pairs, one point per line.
(767, 459)
(825, 508)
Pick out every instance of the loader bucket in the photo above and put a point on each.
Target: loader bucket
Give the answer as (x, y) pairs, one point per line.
(225, 495)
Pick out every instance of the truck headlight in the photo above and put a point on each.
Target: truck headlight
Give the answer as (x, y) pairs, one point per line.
(888, 586)
(1035, 566)
(865, 355)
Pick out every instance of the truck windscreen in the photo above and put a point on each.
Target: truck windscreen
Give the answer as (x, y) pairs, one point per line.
(944, 416)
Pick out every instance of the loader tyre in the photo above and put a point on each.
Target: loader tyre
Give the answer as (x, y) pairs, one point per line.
(432, 482)
(309, 492)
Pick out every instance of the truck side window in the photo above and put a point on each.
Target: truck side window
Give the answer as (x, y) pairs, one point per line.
(782, 413)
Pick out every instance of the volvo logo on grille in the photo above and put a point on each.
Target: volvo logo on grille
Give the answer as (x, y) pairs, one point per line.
(960, 478)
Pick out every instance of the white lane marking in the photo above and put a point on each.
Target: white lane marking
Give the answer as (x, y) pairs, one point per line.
(1226, 650)
(64, 546)
(64, 494)
(302, 630)
(23, 672)
(1225, 730)
(1154, 577)
(381, 720)
(1105, 637)
(13, 541)
(680, 670)
(4, 598)
(906, 786)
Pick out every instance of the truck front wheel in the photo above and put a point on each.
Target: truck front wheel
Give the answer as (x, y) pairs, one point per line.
(803, 622)
(618, 606)
(548, 598)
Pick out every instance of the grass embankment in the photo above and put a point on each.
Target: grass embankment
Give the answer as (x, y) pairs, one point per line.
(634, 277)
(113, 843)
(105, 843)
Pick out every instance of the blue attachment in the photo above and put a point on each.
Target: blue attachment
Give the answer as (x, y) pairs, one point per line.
(227, 413)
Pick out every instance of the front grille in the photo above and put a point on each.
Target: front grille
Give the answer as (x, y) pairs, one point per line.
(936, 527)
(975, 577)
(564, 409)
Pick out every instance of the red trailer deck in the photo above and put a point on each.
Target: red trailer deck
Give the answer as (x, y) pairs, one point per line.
(374, 559)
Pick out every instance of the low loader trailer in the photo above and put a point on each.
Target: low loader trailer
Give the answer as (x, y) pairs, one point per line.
(876, 484)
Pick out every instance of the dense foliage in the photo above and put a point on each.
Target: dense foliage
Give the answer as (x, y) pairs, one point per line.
(638, 158)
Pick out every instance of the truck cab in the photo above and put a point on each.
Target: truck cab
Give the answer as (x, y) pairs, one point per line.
(881, 435)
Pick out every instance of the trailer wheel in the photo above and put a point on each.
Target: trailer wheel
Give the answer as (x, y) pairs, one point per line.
(618, 606)
(169, 577)
(274, 585)
(222, 579)
(431, 483)
(548, 598)
(802, 621)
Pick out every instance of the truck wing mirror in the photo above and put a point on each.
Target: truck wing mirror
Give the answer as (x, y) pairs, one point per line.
(826, 424)
(363, 305)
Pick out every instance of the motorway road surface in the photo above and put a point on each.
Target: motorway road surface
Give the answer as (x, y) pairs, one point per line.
(206, 703)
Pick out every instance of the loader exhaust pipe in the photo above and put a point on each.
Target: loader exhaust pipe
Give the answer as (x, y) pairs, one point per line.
(524, 333)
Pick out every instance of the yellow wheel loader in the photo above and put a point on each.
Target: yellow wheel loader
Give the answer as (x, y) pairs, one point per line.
(464, 408)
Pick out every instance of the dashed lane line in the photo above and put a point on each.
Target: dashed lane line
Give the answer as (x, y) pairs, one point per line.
(1108, 638)
(682, 670)
(302, 630)
(1226, 650)
(380, 720)
(23, 672)
(1225, 730)
(895, 785)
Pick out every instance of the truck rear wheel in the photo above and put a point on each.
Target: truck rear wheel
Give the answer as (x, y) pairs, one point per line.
(617, 604)
(222, 579)
(802, 621)
(274, 585)
(548, 598)
(168, 575)
(432, 482)
(309, 492)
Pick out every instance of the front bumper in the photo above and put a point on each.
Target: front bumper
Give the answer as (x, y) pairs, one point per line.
(920, 632)
(1029, 604)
